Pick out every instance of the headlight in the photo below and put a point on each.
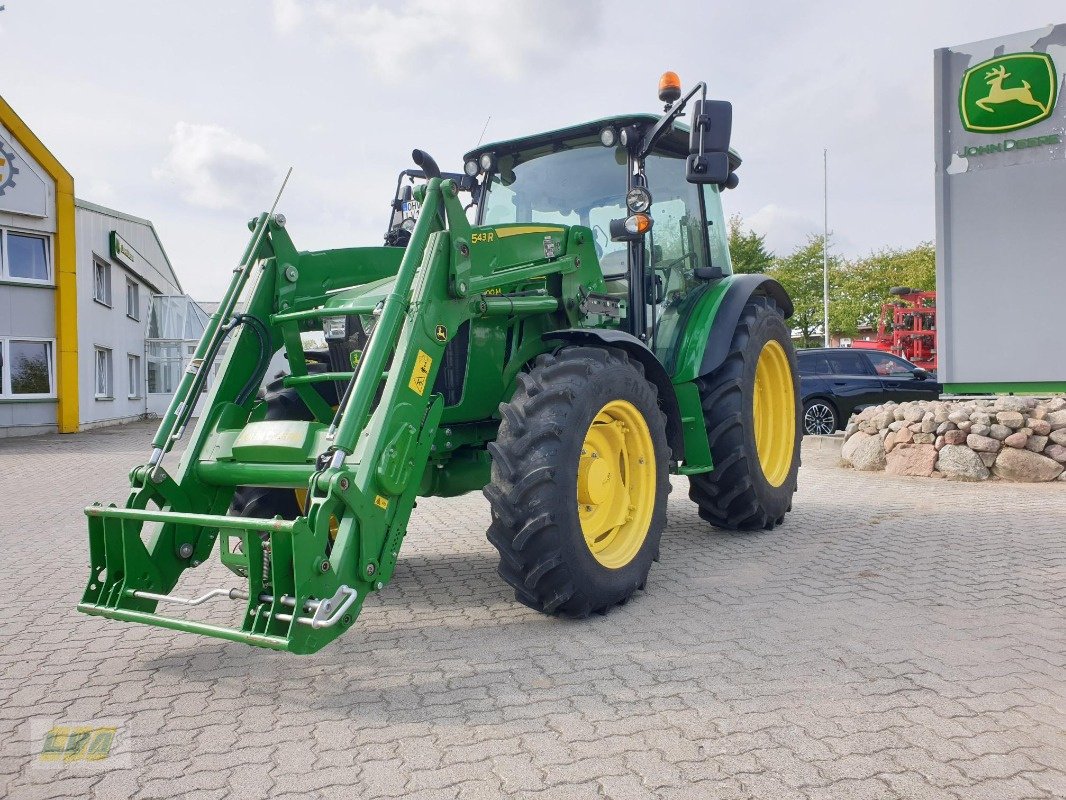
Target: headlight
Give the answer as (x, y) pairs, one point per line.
(470, 168)
(638, 200)
(335, 327)
(608, 137)
(408, 224)
(488, 162)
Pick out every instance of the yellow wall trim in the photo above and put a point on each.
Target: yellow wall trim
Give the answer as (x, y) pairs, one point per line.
(65, 269)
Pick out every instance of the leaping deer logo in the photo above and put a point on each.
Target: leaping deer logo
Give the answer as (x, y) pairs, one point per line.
(998, 95)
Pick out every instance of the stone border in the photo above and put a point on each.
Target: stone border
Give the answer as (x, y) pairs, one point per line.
(1013, 438)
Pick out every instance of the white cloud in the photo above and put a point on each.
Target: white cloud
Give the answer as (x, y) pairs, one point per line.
(784, 228)
(288, 15)
(510, 39)
(215, 168)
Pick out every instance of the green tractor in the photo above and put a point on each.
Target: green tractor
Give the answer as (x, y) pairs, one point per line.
(557, 325)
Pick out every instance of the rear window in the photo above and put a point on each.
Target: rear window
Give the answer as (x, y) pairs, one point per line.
(812, 363)
(848, 363)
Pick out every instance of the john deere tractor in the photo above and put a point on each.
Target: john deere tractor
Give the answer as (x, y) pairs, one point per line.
(558, 325)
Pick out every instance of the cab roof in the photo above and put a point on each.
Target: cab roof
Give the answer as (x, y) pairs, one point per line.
(675, 141)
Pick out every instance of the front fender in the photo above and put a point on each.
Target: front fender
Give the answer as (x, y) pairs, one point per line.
(654, 371)
(709, 328)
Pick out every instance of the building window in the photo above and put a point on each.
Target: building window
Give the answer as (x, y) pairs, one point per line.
(134, 376)
(25, 257)
(133, 300)
(102, 282)
(27, 370)
(104, 374)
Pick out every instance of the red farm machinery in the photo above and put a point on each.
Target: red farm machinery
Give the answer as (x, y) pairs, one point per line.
(907, 327)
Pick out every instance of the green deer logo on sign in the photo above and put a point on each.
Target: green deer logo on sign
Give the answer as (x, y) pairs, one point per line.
(1008, 92)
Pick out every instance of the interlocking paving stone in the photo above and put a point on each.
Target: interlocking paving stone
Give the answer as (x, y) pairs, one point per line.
(896, 638)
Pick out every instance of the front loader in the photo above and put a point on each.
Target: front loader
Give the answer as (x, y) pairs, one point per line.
(558, 325)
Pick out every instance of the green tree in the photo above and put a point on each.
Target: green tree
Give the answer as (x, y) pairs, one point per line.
(866, 282)
(800, 273)
(747, 249)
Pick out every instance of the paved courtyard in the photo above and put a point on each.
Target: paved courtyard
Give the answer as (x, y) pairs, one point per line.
(897, 638)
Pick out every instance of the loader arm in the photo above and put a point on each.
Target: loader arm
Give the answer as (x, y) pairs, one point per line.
(360, 464)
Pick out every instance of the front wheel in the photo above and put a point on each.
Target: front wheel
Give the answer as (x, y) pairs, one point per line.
(579, 482)
(752, 416)
(819, 418)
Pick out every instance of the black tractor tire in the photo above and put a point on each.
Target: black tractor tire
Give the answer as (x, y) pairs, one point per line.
(536, 523)
(736, 494)
(820, 417)
(260, 502)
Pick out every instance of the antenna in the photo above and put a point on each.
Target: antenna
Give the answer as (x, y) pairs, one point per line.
(482, 136)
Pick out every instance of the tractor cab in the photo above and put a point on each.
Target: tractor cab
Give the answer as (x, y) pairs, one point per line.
(660, 236)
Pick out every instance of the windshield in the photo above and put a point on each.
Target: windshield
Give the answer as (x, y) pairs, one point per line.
(581, 186)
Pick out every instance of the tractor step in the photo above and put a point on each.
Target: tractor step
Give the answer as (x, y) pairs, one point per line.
(128, 578)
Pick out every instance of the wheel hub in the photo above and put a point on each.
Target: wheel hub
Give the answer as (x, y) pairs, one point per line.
(774, 413)
(616, 484)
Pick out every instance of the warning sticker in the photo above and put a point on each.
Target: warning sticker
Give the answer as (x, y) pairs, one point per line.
(420, 374)
(381, 502)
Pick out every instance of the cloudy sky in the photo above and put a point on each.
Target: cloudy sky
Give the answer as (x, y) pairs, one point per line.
(190, 112)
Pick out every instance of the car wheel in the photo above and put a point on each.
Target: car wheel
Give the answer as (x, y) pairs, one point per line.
(819, 418)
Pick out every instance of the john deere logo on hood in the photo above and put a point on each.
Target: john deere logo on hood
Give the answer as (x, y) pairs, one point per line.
(1008, 93)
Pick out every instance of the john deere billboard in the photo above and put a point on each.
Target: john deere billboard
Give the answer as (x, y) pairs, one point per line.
(1000, 137)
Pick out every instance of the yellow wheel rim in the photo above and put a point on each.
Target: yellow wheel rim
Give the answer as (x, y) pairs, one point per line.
(774, 413)
(616, 484)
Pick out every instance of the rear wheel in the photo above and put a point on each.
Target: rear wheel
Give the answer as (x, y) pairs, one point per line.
(579, 482)
(751, 413)
(819, 418)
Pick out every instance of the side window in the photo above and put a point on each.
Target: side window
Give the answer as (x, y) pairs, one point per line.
(844, 363)
(676, 238)
(813, 364)
(885, 364)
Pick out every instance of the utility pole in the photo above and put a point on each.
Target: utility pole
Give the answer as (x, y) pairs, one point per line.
(825, 246)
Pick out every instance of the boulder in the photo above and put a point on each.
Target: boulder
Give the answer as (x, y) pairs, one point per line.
(1036, 443)
(1055, 404)
(939, 442)
(904, 436)
(955, 437)
(959, 463)
(911, 459)
(882, 420)
(1059, 436)
(980, 418)
(998, 431)
(988, 459)
(1010, 404)
(1040, 412)
(1025, 466)
(1012, 419)
(913, 414)
(1041, 427)
(929, 425)
(1057, 420)
(980, 429)
(944, 427)
(1056, 452)
(982, 444)
(965, 425)
(958, 416)
(864, 452)
(924, 438)
(895, 426)
(1018, 440)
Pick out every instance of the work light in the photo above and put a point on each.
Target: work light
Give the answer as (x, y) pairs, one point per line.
(608, 137)
(638, 200)
(488, 162)
(470, 168)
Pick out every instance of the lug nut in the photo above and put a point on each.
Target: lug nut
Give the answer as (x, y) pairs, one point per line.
(185, 550)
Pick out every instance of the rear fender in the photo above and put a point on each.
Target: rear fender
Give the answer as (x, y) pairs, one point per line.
(653, 371)
(709, 329)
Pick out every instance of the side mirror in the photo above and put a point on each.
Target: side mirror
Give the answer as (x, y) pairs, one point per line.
(920, 374)
(708, 144)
